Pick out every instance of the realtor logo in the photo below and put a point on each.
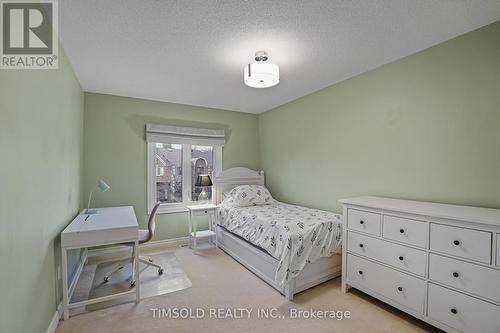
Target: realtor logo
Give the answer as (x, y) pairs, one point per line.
(29, 35)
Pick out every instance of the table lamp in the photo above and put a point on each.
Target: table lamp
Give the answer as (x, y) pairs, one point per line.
(203, 181)
(103, 187)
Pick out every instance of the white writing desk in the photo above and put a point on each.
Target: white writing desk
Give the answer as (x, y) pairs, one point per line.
(111, 225)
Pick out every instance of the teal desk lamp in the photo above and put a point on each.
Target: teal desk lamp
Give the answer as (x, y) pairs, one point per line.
(103, 187)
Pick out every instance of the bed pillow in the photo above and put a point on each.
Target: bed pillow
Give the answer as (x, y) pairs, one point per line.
(250, 195)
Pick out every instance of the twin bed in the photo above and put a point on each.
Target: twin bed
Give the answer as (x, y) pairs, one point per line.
(292, 248)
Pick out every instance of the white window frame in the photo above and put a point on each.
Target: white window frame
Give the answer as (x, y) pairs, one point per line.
(166, 208)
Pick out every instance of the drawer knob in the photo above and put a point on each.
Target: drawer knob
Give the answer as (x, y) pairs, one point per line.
(400, 288)
(455, 274)
(402, 231)
(456, 242)
(401, 258)
(360, 272)
(361, 245)
(453, 310)
(361, 222)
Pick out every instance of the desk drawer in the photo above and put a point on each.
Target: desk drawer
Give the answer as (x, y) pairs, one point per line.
(475, 279)
(462, 312)
(405, 230)
(461, 242)
(399, 287)
(399, 256)
(364, 221)
(201, 212)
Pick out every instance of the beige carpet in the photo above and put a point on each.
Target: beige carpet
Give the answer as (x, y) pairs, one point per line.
(220, 282)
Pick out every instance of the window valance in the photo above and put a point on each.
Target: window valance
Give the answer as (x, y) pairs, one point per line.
(185, 135)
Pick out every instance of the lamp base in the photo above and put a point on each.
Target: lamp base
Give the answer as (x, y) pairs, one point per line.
(203, 196)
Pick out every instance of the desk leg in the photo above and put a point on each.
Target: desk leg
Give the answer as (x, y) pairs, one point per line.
(193, 221)
(190, 229)
(86, 255)
(64, 263)
(214, 223)
(136, 273)
(209, 217)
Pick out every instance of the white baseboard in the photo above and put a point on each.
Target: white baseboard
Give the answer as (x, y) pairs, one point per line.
(55, 319)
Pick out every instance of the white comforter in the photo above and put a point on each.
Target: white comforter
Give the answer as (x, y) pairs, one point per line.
(294, 235)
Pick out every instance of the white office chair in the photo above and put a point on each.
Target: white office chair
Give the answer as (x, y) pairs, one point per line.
(145, 235)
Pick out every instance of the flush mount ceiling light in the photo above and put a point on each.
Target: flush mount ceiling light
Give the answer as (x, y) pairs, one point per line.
(261, 74)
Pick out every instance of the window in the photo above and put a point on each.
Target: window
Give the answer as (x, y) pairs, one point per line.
(202, 163)
(168, 184)
(160, 171)
(174, 167)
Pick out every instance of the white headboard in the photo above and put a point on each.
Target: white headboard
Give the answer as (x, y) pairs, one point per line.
(230, 178)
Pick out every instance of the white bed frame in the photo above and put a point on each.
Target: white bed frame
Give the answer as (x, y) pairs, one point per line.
(259, 262)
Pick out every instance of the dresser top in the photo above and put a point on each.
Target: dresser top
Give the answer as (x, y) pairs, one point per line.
(454, 212)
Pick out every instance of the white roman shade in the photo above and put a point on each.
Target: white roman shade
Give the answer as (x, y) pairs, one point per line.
(188, 135)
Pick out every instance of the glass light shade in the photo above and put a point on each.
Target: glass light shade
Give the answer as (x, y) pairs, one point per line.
(261, 74)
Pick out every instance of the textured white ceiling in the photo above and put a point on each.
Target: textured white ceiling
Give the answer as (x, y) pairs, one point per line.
(193, 51)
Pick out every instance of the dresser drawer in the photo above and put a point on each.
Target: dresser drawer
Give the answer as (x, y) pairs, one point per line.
(405, 230)
(399, 256)
(363, 221)
(461, 312)
(399, 287)
(478, 280)
(461, 242)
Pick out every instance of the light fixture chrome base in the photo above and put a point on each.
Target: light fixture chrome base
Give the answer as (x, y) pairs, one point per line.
(261, 56)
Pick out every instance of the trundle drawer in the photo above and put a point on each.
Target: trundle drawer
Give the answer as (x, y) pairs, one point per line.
(399, 256)
(461, 242)
(405, 230)
(364, 221)
(461, 312)
(399, 287)
(475, 279)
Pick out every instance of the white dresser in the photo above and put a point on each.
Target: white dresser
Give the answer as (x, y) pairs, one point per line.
(439, 263)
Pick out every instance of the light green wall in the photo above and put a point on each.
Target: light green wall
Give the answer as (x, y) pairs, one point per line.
(41, 150)
(115, 148)
(426, 127)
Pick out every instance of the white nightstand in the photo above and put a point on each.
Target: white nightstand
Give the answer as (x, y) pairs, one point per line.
(202, 210)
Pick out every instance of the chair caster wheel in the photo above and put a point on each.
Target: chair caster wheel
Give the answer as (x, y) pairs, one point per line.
(160, 271)
(132, 284)
(106, 279)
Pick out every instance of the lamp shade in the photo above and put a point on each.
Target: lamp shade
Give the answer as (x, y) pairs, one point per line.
(261, 75)
(103, 187)
(203, 180)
